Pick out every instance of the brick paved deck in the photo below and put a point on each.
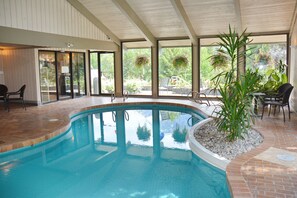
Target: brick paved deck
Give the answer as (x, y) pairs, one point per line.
(249, 175)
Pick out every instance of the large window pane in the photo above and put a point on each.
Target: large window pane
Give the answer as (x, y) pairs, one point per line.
(208, 48)
(47, 76)
(107, 72)
(137, 72)
(266, 52)
(175, 68)
(94, 73)
(78, 71)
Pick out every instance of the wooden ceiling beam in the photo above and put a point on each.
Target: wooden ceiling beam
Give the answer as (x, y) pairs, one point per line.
(133, 18)
(86, 13)
(293, 21)
(180, 11)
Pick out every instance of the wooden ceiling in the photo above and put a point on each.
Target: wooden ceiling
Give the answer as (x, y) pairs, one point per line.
(206, 17)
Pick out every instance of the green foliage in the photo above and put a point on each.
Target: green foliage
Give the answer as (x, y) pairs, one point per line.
(143, 133)
(141, 61)
(219, 60)
(230, 43)
(236, 112)
(166, 68)
(178, 135)
(180, 62)
(131, 87)
(276, 77)
(108, 88)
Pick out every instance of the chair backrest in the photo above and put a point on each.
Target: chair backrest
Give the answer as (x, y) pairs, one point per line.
(281, 90)
(3, 90)
(287, 95)
(22, 91)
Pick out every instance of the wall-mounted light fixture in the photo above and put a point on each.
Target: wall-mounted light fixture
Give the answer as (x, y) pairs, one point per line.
(69, 44)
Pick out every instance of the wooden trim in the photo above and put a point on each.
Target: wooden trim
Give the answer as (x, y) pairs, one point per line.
(293, 21)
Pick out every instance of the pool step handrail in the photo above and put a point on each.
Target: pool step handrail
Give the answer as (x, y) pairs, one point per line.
(112, 97)
(125, 95)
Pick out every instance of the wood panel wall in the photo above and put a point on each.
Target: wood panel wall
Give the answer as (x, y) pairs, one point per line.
(19, 67)
(51, 16)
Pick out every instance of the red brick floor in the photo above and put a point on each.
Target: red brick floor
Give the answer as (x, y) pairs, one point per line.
(247, 176)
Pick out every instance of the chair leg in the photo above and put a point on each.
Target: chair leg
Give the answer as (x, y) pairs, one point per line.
(7, 105)
(274, 110)
(262, 111)
(284, 114)
(269, 110)
(24, 105)
(289, 112)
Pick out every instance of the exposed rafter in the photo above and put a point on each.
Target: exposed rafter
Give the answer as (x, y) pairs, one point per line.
(293, 20)
(238, 16)
(85, 12)
(179, 9)
(133, 17)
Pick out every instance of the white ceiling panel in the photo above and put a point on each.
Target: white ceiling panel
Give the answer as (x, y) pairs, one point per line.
(210, 17)
(267, 15)
(159, 16)
(112, 18)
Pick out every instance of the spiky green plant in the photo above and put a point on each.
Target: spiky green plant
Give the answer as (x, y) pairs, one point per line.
(235, 115)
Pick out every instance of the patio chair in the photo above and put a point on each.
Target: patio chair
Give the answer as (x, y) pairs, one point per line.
(279, 93)
(283, 101)
(18, 95)
(3, 94)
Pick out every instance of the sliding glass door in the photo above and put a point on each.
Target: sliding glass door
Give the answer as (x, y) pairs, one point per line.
(102, 72)
(47, 68)
(62, 75)
(78, 74)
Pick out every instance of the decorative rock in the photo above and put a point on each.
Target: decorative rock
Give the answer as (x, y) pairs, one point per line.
(216, 141)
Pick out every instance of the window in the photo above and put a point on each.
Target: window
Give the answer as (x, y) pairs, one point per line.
(175, 68)
(137, 69)
(266, 52)
(207, 71)
(102, 73)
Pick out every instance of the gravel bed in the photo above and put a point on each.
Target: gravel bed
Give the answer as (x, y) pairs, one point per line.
(215, 141)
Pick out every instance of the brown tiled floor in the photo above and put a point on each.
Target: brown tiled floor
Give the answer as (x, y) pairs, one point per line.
(248, 175)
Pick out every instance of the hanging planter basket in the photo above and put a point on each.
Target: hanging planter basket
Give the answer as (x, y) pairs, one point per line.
(141, 61)
(180, 62)
(219, 60)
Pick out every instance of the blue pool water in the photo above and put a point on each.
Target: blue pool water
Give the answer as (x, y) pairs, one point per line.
(117, 152)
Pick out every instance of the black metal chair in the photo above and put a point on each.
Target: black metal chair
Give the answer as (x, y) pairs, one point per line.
(283, 101)
(3, 94)
(20, 96)
(279, 93)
